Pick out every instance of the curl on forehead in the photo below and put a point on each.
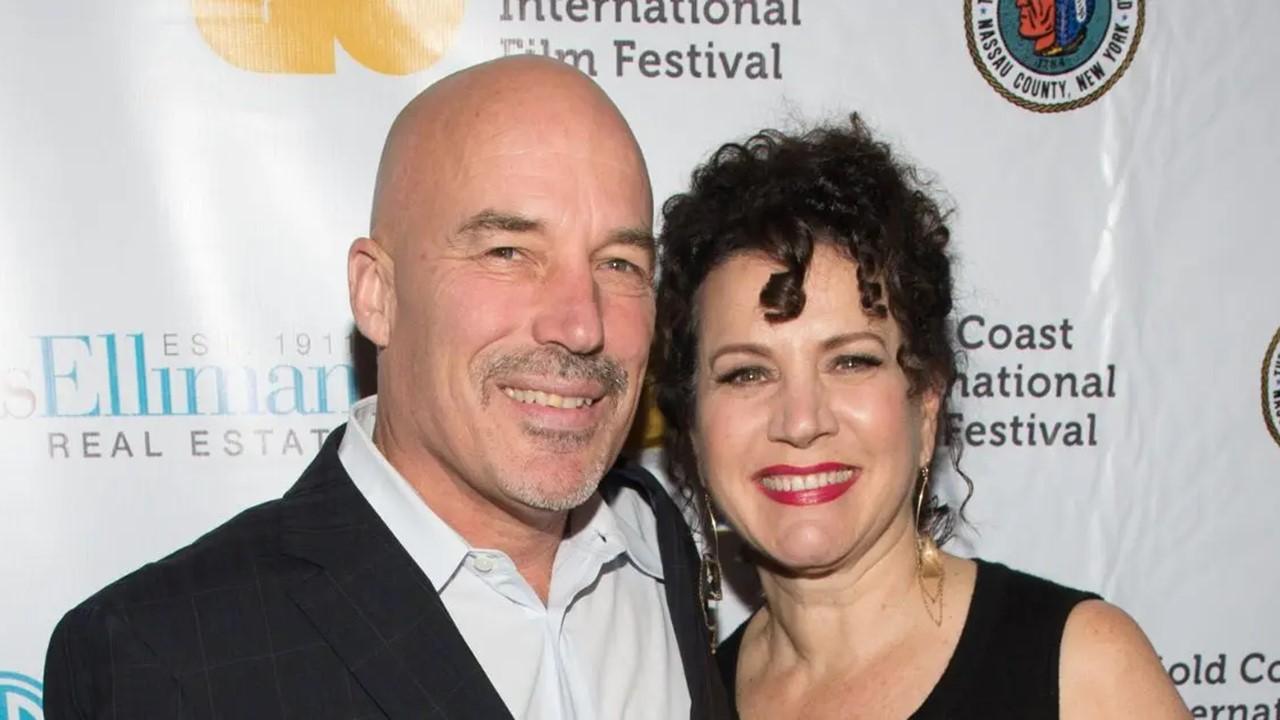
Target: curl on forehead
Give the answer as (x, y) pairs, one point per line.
(502, 106)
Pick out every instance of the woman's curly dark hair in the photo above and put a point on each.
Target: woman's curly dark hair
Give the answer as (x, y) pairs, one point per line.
(778, 194)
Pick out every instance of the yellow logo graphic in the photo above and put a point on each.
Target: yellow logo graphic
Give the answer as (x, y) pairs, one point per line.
(395, 37)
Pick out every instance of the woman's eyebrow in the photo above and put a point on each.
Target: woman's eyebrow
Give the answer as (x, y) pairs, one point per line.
(748, 348)
(836, 341)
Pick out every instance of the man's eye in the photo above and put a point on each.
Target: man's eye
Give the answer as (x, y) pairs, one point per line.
(502, 253)
(748, 375)
(856, 362)
(621, 265)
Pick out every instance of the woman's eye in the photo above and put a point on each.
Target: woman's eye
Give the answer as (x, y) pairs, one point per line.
(856, 362)
(742, 376)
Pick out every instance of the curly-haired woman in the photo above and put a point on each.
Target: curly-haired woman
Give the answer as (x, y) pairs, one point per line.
(805, 306)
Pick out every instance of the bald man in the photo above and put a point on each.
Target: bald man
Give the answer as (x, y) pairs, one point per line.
(465, 546)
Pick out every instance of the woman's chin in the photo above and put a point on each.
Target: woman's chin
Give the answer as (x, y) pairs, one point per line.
(807, 550)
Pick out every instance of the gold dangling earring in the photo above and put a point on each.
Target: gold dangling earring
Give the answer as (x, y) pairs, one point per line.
(709, 580)
(928, 559)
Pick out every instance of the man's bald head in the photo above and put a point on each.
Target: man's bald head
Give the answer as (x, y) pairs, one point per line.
(507, 281)
(506, 101)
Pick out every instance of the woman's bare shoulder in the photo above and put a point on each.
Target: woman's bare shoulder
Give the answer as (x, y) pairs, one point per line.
(1110, 670)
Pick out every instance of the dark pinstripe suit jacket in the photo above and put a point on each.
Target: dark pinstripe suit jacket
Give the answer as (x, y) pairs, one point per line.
(308, 607)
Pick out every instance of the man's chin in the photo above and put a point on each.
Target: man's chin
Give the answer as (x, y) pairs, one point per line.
(538, 503)
(554, 483)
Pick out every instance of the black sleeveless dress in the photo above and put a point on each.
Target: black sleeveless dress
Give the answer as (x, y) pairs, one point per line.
(1005, 664)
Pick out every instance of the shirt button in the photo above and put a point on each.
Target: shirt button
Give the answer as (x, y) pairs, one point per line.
(482, 563)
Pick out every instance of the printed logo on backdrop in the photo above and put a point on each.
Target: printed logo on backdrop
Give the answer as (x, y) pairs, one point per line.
(395, 37)
(20, 697)
(1053, 55)
(1271, 387)
(1025, 386)
(1239, 679)
(705, 42)
(136, 396)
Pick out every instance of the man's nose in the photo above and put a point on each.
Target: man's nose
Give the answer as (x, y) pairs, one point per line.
(802, 413)
(570, 313)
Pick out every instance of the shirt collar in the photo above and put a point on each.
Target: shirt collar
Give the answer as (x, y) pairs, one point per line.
(436, 548)
(626, 522)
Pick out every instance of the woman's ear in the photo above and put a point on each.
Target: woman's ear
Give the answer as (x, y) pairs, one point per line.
(930, 400)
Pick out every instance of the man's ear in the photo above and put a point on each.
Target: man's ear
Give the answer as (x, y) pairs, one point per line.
(371, 286)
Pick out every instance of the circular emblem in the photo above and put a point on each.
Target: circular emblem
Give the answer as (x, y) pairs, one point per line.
(1053, 55)
(20, 697)
(1271, 387)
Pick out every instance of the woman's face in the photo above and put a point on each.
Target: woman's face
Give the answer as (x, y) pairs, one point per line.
(805, 432)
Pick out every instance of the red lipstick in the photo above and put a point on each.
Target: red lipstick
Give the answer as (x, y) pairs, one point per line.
(807, 496)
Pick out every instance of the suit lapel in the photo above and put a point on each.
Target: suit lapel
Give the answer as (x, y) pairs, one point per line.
(374, 606)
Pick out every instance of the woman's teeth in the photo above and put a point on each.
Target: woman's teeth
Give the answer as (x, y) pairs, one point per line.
(537, 397)
(793, 483)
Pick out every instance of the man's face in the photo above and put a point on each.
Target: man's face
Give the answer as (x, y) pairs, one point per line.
(523, 314)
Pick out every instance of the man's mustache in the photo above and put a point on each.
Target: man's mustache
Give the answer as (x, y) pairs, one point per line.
(551, 362)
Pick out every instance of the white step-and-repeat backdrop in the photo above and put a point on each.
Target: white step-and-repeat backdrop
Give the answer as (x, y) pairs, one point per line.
(181, 179)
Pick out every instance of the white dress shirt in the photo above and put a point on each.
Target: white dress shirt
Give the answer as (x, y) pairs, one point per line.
(601, 647)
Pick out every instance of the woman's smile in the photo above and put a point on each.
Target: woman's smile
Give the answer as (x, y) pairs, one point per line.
(811, 485)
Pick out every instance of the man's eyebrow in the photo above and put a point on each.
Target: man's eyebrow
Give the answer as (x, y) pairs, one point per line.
(492, 220)
(634, 236)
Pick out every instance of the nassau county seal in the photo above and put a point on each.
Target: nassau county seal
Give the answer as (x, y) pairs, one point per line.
(1053, 55)
(1271, 387)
